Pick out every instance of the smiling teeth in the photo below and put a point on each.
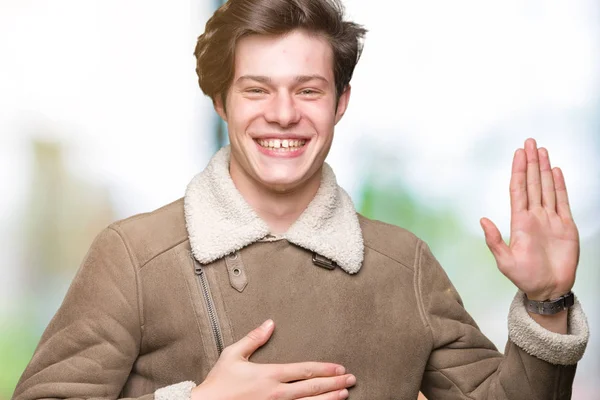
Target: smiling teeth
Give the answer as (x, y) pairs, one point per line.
(281, 144)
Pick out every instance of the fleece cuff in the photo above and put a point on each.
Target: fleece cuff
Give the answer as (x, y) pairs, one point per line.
(178, 391)
(539, 342)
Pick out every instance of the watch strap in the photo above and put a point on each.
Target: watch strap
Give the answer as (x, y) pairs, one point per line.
(550, 307)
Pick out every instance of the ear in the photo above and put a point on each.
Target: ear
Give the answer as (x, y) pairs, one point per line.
(219, 107)
(342, 104)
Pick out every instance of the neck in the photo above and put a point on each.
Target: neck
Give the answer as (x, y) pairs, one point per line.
(278, 208)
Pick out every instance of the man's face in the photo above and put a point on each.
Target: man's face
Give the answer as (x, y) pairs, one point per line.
(281, 109)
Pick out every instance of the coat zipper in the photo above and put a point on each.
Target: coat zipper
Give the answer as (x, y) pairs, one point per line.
(210, 305)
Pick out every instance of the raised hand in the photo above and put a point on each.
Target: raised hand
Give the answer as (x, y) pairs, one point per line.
(234, 377)
(542, 255)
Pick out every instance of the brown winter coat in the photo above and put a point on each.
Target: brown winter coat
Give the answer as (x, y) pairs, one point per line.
(138, 316)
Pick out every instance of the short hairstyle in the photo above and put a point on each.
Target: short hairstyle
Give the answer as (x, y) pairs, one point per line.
(215, 48)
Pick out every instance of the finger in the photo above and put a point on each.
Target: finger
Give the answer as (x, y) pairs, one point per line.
(306, 370)
(562, 199)
(548, 192)
(494, 240)
(534, 188)
(247, 345)
(317, 386)
(340, 394)
(518, 182)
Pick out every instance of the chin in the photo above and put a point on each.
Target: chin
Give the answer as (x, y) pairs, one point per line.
(281, 183)
(282, 178)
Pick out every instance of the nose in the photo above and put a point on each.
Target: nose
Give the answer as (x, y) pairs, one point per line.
(282, 110)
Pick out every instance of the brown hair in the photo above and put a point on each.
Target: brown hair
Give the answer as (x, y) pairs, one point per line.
(215, 48)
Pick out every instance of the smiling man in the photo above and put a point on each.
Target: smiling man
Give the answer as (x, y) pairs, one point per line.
(166, 303)
(280, 110)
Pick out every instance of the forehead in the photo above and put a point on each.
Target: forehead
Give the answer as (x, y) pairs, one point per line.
(284, 56)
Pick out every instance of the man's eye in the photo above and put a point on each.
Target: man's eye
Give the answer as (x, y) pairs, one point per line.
(255, 91)
(308, 92)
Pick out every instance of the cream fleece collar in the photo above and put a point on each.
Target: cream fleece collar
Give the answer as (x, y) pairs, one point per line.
(219, 221)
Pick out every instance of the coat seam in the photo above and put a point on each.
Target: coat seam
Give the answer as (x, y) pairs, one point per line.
(524, 369)
(390, 257)
(451, 381)
(140, 305)
(163, 252)
(418, 260)
(417, 287)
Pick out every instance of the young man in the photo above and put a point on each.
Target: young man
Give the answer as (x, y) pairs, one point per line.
(164, 301)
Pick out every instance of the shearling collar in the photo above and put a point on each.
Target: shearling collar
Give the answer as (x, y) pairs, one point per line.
(219, 221)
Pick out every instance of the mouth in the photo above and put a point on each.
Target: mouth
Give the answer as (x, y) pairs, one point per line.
(281, 145)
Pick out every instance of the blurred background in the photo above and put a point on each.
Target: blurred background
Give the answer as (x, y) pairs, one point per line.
(101, 117)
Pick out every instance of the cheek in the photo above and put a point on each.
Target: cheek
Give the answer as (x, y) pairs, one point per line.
(243, 117)
(321, 117)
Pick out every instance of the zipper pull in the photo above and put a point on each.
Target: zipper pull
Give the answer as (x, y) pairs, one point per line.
(198, 269)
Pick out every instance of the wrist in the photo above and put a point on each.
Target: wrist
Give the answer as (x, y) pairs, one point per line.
(557, 323)
(546, 296)
(198, 393)
(551, 313)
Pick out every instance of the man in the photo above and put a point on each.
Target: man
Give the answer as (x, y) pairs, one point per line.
(164, 301)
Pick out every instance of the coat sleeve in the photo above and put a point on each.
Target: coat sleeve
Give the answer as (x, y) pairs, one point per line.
(92, 342)
(464, 364)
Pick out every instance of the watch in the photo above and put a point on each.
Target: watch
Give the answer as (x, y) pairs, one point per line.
(550, 307)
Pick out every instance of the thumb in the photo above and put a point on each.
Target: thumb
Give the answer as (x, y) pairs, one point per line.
(247, 345)
(494, 240)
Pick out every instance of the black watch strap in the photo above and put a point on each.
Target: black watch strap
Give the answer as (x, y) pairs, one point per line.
(550, 307)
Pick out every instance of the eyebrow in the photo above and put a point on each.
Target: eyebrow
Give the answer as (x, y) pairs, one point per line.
(267, 79)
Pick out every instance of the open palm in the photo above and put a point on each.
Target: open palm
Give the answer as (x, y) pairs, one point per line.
(542, 255)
